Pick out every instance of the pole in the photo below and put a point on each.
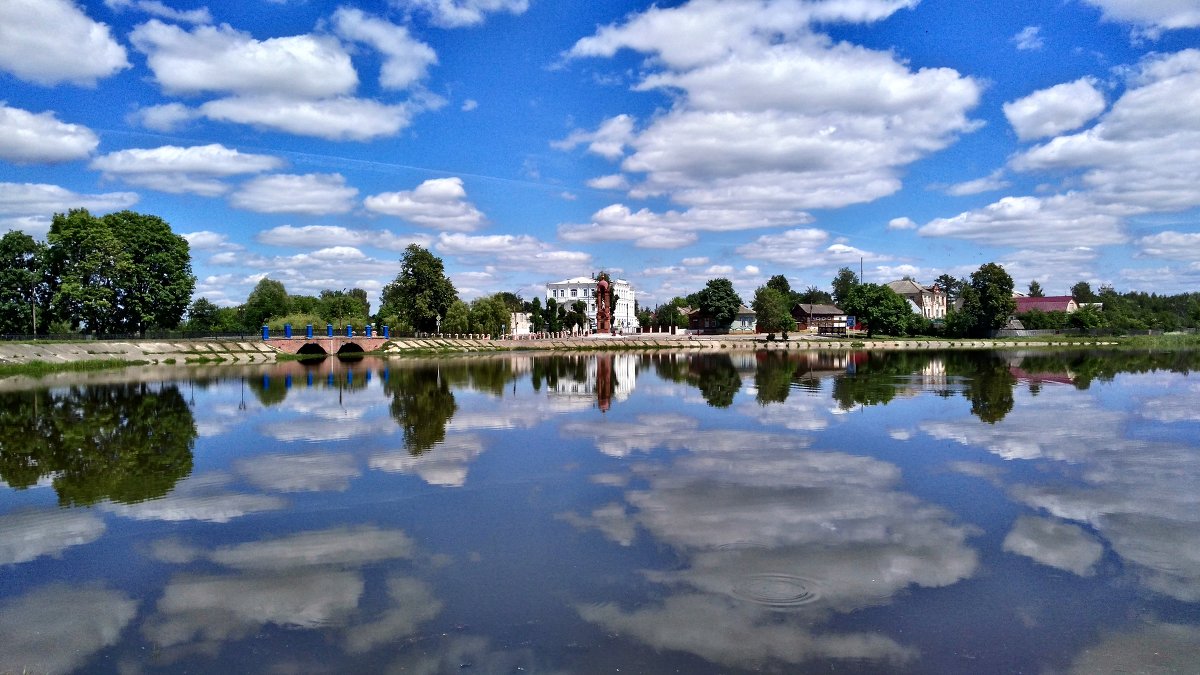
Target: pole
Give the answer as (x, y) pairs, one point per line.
(33, 306)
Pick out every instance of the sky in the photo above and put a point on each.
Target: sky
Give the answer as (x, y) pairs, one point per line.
(668, 143)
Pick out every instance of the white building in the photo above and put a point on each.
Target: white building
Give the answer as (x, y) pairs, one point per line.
(567, 291)
(929, 301)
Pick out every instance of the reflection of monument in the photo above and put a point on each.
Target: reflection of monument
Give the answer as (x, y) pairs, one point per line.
(604, 382)
(606, 378)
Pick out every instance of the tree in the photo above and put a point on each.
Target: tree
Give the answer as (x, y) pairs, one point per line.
(457, 319)
(989, 304)
(268, 299)
(1086, 318)
(720, 302)
(845, 280)
(154, 282)
(84, 261)
(780, 283)
(950, 286)
(334, 305)
(772, 311)
(202, 315)
(21, 282)
(881, 308)
(815, 296)
(1035, 290)
(1082, 292)
(536, 319)
(421, 292)
(489, 315)
(669, 316)
(552, 321)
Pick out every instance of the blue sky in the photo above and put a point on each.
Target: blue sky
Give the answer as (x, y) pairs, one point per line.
(525, 141)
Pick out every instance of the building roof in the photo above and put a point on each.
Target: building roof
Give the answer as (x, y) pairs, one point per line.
(742, 309)
(909, 287)
(812, 310)
(1051, 303)
(585, 280)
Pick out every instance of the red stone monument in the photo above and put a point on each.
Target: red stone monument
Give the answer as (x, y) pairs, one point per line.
(603, 305)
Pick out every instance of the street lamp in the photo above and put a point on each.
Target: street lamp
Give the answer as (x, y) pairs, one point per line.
(438, 324)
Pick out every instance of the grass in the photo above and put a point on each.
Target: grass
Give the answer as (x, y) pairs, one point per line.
(42, 368)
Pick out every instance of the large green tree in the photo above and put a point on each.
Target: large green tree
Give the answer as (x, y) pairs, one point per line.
(490, 315)
(268, 299)
(21, 282)
(843, 283)
(124, 272)
(203, 315)
(352, 304)
(420, 293)
(719, 301)
(881, 308)
(1035, 290)
(990, 303)
(772, 310)
(1082, 292)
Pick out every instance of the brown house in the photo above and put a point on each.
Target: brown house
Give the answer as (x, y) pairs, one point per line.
(819, 318)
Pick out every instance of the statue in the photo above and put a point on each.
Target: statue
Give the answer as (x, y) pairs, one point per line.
(603, 305)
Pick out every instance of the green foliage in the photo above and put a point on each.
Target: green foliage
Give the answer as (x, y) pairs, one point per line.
(843, 283)
(813, 296)
(21, 282)
(537, 318)
(489, 315)
(772, 310)
(1036, 319)
(422, 404)
(458, 318)
(719, 301)
(300, 321)
(1035, 290)
(421, 292)
(950, 286)
(669, 315)
(156, 280)
(202, 315)
(716, 378)
(773, 377)
(781, 284)
(987, 301)
(268, 299)
(1087, 318)
(303, 304)
(1082, 292)
(879, 307)
(351, 304)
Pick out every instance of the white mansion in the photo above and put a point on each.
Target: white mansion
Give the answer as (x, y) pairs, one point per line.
(567, 291)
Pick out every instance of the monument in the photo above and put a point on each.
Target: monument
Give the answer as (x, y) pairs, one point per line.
(603, 305)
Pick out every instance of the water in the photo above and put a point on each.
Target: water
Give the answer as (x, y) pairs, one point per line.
(919, 512)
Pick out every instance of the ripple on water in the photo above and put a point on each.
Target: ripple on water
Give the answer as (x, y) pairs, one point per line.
(777, 591)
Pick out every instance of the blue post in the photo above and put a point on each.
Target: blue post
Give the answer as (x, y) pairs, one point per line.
(329, 329)
(368, 376)
(367, 331)
(266, 332)
(287, 382)
(349, 377)
(387, 333)
(266, 382)
(349, 330)
(287, 330)
(308, 332)
(310, 376)
(330, 381)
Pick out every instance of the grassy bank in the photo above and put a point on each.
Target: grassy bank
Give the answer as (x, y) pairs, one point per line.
(43, 368)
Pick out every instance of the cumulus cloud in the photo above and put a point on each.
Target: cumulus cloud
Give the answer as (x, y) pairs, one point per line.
(196, 169)
(157, 8)
(205, 498)
(672, 229)
(406, 59)
(1029, 39)
(337, 119)
(324, 236)
(313, 193)
(1052, 111)
(614, 181)
(58, 628)
(460, 13)
(1054, 543)
(205, 240)
(307, 472)
(511, 251)
(1171, 245)
(805, 248)
(1033, 221)
(990, 183)
(608, 141)
(221, 59)
(29, 206)
(166, 117)
(40, 138)
(768, 113)
(445, 464)
(51, 41)
(32, 534)
(902, 223)
(439, 203)
(1153, 16)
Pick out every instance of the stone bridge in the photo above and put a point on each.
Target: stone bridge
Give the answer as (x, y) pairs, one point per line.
(326, 345)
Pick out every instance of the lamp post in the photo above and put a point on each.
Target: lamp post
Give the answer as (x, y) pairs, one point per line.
(438, 324)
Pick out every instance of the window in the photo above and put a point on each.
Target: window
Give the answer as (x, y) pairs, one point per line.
(573, 292)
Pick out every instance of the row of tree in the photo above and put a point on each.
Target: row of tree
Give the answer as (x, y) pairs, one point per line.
(125, 272)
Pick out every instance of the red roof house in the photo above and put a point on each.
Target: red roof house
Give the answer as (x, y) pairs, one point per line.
(1053, 303)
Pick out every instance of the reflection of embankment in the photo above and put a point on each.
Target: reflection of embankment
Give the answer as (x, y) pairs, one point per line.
(127, 442)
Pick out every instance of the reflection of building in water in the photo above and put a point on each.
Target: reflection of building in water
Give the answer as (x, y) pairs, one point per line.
(606, 377)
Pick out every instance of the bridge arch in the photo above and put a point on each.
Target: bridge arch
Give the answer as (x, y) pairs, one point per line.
(313, 349)
(350, 348)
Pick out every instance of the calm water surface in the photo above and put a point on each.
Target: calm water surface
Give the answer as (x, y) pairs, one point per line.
(908, 512)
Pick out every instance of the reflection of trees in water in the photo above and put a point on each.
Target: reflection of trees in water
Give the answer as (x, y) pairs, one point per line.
(773, 377)
(489, 376)
(422, 404)
(713, 374)
(1085, 367)
(549, 371)
(878, 378)
(126, 442)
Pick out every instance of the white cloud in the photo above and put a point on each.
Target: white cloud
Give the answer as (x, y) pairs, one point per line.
(771, 115)
(672, 229)
(406, 59)
(196, 169)
(40, 201)
(614, 181)
(203, 498)
(221, 59)
(902, 223)
(52, 41)
(1054, 543)
(307, 472)
(438, 203)
(1033, 221)
(166, 117)
(40, 138)
(508, 251)
(313, 193)
(459, 13)
(30, 535)
(1171, 245)
(1052, 111)
(156, 8)
(990, 183)
(1154, 15)
(804, 248)
(1029, 39)
(1148, 647)
(323, 236)
(336, 119)
(445, 464)
(469, 105)
(608, 141)
(205, 240)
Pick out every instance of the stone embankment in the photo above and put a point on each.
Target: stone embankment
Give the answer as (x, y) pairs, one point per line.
(253, 351)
